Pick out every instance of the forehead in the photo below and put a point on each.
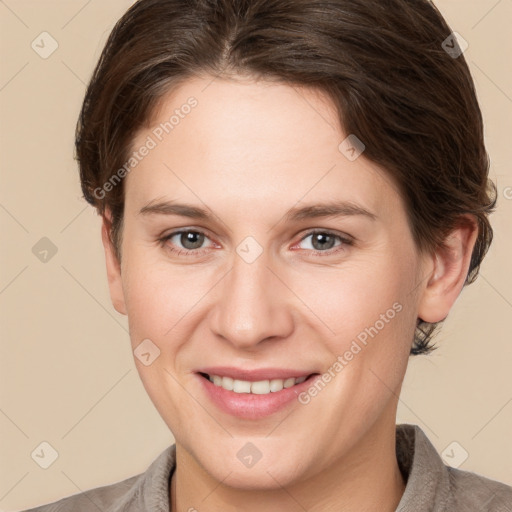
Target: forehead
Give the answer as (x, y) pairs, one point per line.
(257, 140)
(247, 118)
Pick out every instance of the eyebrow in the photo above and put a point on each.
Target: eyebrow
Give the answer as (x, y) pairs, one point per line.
(328, 209)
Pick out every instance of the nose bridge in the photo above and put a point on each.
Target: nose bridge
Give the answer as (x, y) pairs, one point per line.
(251, 307)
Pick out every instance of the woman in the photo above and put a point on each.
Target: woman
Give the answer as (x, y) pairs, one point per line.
(225, 143)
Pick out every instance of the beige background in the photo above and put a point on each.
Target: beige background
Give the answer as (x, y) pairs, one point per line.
(67, 372)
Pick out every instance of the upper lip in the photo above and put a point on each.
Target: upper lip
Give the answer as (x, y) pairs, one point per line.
(253, 375)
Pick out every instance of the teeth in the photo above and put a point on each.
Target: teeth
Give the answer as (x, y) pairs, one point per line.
(227, 383)
(241, 386)
(288, 383)
(261, 387)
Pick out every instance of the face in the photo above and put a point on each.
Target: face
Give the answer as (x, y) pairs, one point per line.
(256, 250)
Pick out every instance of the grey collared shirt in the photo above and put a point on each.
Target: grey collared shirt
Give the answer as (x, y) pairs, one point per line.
(431, 485)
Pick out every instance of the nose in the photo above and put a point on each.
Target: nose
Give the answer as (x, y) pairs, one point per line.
(254, 304)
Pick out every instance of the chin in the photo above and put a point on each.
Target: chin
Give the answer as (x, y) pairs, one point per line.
(262, 479)
(270, 472)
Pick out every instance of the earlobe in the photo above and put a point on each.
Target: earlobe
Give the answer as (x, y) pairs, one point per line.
(448, 275)
(113, 265)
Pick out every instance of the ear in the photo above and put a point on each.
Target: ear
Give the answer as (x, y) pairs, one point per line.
(449, 268)
(115, 283)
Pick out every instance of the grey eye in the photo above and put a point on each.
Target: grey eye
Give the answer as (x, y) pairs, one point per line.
(190, 239)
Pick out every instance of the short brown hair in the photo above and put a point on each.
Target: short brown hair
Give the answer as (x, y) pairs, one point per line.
(382, 63)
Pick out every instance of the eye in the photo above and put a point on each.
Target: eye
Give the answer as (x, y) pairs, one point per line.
(184, 242)
(189, 242)
(325, 242)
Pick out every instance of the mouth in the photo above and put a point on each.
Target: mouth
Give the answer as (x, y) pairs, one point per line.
(255, 387)
(253, 394)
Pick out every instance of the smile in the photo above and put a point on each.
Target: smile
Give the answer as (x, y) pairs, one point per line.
(260, 387)
(256, 394)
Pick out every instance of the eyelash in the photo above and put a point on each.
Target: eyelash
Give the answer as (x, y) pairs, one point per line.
(198, 252)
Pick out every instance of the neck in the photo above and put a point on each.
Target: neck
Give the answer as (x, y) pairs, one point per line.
(368, 478)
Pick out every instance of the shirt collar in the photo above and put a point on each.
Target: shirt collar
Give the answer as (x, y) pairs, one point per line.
(427, 482)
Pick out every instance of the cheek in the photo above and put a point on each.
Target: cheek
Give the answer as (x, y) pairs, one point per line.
(357, 299)
(368, 317)
(157, 302)
(158, 296)
(350, 302)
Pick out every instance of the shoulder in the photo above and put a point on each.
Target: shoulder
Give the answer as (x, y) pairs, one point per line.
(92, 500)
(471, 491)
(434, 486)
(147, 491)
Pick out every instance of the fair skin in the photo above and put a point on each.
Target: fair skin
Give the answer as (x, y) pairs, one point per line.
(248, 153)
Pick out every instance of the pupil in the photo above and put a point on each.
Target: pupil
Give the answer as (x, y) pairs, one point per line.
(322, 238)
(192, 240)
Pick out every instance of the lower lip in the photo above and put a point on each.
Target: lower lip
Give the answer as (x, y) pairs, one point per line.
(252, 406)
